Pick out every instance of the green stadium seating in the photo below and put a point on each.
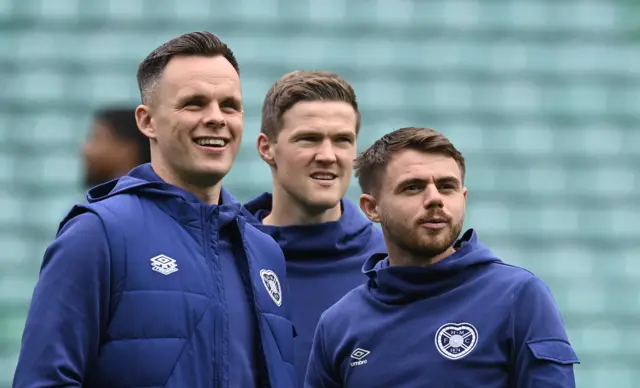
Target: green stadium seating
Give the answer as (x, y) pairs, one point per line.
(541, 96)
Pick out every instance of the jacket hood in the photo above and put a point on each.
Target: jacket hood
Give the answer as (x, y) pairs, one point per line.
(143, 181)
(397, 285)
(345, 238)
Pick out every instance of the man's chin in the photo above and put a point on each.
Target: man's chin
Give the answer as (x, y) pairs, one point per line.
(432, 250)
(207, 177)
(213, 171)
(437, 240)
(320, 202)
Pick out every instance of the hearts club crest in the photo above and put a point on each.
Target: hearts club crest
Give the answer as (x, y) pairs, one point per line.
(456, 340)
(272, 284)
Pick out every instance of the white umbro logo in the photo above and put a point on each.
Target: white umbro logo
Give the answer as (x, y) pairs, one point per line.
(164, 265)
(358, 355)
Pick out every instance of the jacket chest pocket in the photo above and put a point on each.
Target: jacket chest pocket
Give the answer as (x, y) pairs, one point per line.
(282, 333)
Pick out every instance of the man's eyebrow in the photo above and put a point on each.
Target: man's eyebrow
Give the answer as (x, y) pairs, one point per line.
(411, 181)
(311, 132)
(235, 99)
(439, 180)
(449, 179)
(347, 134)
(306, 133)
(191, 96)
(398, 187)
(202, 96)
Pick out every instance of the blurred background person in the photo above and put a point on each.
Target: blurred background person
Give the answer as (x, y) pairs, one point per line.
(114, 146)
(542, 95)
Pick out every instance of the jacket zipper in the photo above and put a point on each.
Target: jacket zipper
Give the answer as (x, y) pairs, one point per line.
(246, 269)
(208, 231)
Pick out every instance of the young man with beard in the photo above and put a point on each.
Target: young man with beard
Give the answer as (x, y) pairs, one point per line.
(159, 280)
(436, 312)
(310, 122)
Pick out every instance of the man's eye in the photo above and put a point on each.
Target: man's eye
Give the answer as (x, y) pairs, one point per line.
(194, 103)
(230, 104)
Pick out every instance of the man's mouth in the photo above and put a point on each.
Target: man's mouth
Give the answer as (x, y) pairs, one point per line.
(434, 225)
(435, 222)
(324, 176)
(211, 142)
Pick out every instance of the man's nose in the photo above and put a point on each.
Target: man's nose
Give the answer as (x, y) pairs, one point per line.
(433, 197)
(214, 117)
(325, 152)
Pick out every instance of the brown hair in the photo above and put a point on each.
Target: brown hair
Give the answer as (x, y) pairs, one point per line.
(371, 163)
(303, 85)
(194, 43)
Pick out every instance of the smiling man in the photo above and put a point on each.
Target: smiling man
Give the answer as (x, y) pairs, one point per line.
(439, 310)
(310, 122)
(159, 280)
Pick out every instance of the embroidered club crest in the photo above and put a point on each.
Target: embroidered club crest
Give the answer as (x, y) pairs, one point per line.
(456, 340)
(164, 265)
(272, 284)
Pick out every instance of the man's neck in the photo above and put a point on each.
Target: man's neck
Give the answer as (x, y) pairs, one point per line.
(401, 258)
(209, 194)
(288, 211)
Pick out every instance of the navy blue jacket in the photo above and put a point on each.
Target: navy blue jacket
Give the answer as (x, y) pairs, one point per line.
(147, 286)
(324, 262)
(467, 321)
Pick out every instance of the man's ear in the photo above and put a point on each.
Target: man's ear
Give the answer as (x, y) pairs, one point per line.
(143, 119)
(369, 206)
(265, 149)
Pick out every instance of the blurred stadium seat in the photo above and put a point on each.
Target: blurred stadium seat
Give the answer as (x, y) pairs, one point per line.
(540, 95)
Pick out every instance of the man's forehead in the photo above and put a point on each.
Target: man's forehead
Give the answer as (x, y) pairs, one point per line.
(411, 164)
(204, 88)
(319, 126)
(197, 73)
(313, 116)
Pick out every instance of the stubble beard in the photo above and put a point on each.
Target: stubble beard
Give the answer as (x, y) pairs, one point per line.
(421, 244)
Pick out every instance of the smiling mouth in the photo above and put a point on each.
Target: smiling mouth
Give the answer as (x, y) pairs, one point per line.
(324, 176)
(211, 142)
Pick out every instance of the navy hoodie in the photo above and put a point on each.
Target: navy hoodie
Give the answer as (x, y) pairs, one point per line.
(467, 321)
(324, 262)
(147, 286)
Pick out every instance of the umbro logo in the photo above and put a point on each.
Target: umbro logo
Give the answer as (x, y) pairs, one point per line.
(164, 265)
(359, 355)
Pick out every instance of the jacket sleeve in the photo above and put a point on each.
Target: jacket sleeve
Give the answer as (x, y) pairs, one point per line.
(543, 356)
(321, 372)
(69, 308)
